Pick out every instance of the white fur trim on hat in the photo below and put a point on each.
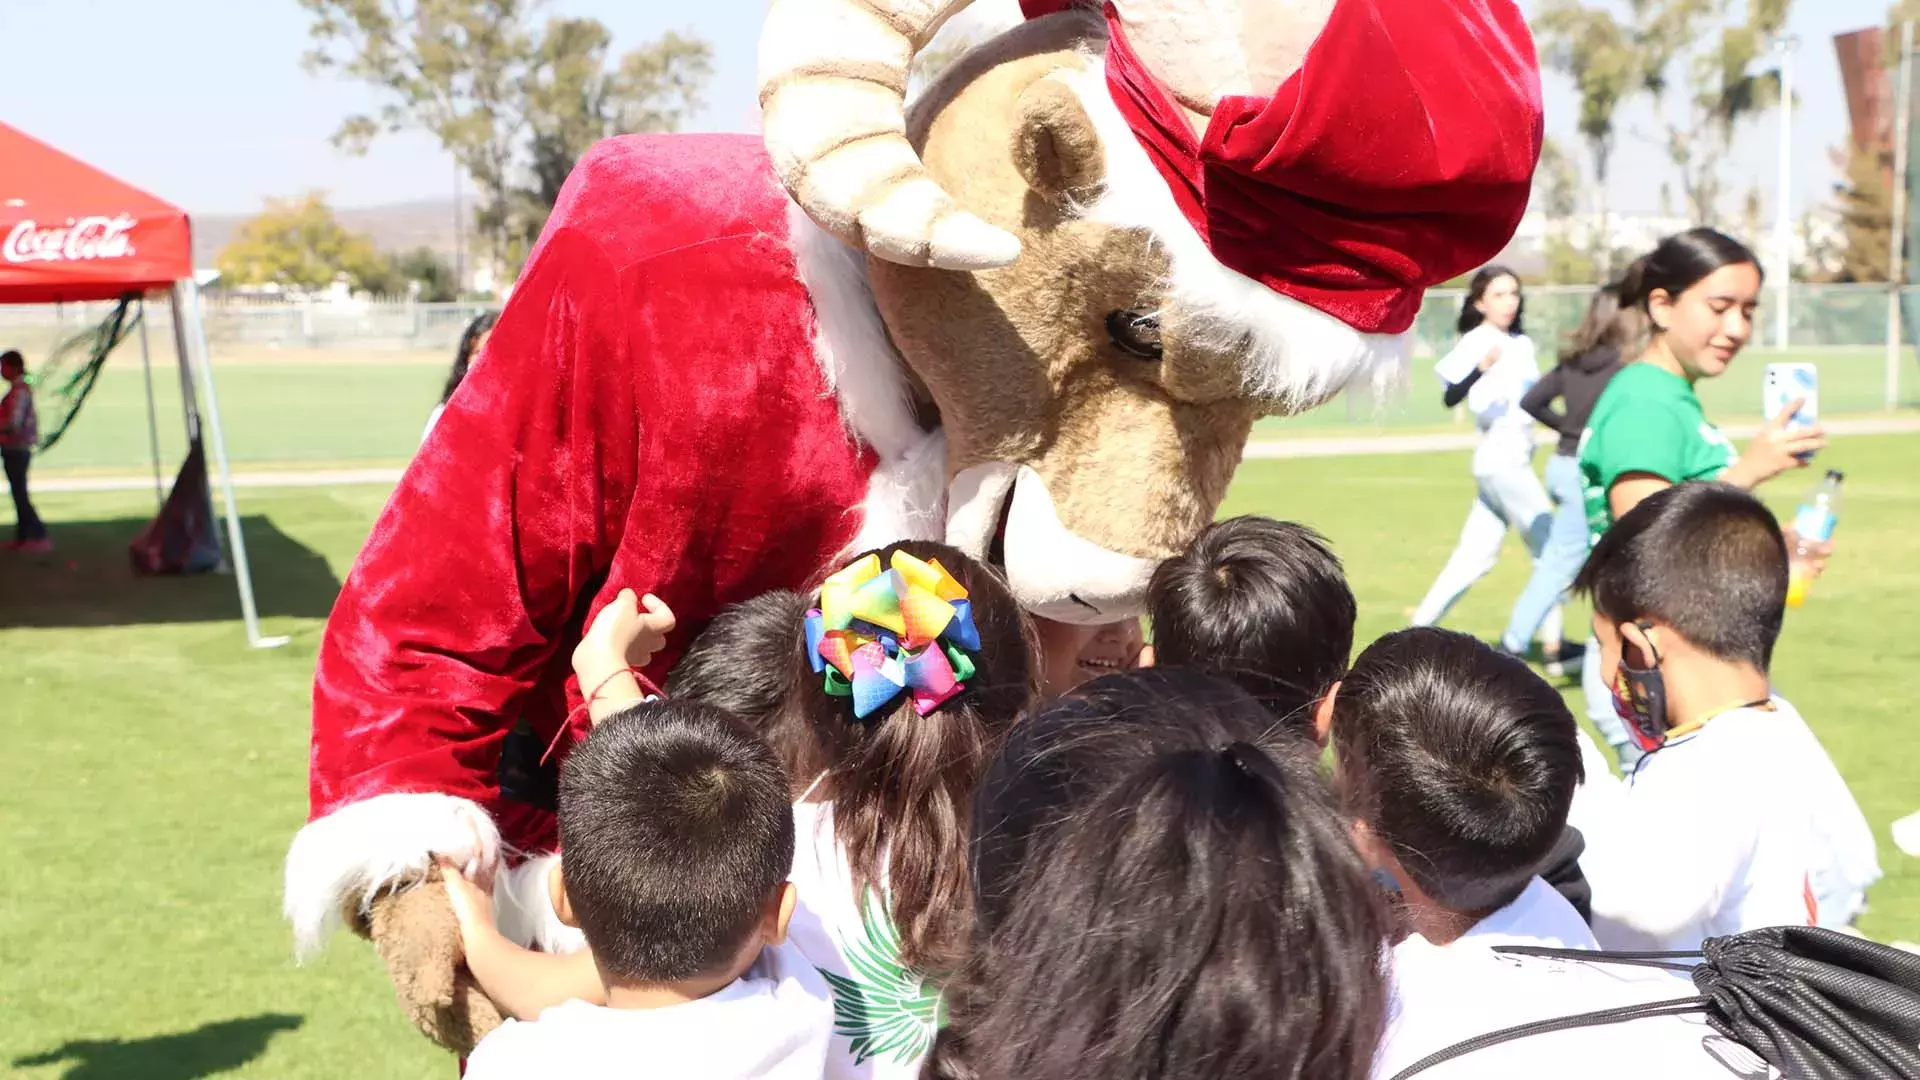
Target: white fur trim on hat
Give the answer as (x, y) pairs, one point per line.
(1295, 356)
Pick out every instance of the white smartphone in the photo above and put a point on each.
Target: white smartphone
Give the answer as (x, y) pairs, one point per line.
(1785, 383)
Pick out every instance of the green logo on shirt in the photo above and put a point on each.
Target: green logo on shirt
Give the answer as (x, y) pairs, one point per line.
(888, 1010)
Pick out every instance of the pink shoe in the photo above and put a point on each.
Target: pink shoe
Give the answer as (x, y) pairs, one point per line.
(33, 547)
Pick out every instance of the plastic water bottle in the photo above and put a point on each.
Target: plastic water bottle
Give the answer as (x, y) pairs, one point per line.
(1813, 525)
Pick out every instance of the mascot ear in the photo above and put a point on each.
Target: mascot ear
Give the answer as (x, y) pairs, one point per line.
(1055, 146)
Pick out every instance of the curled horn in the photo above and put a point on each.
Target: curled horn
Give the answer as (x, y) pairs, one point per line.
(833, 84)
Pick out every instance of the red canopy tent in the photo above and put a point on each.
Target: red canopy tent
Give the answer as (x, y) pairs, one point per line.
(68, 233)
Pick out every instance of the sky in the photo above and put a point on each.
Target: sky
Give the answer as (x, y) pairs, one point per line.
(205, 102)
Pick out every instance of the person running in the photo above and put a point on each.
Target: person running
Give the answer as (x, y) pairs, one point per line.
(19, 434)
(1592, 357)
(1491, 368)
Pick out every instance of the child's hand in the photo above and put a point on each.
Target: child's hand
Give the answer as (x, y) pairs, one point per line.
(472, 907)
(622, 635)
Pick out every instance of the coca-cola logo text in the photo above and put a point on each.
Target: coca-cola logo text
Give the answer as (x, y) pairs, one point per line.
(79, 239)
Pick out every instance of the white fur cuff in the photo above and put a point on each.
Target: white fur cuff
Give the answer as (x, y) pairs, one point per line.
(363, 846)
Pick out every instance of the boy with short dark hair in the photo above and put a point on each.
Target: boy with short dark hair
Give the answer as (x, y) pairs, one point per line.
(1736, 817)
(679, 839)
(1261, 603)
(19, 434)
(1458, 764)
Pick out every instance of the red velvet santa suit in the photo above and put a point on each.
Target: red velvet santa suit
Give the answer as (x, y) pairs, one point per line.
(648, 414)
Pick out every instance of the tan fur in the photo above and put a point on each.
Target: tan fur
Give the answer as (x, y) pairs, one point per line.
(418, 938)
(1136, 455)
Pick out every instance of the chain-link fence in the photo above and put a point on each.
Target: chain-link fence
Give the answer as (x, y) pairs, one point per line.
(353, 383)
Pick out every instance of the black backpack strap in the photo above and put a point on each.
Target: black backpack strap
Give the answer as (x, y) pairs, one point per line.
(1670, 961)
(1676, 1007)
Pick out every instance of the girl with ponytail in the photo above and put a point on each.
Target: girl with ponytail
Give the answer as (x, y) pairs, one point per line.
(1165, 889)
(887, 693)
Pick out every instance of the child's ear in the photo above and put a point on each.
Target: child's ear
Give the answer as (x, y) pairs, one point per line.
(1145, 659)
(1323, 717)
(557, 895)
(779, 914)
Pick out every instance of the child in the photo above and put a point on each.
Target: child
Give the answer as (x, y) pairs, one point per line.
(1458, 764)
(1262, 603)
(678, 843)
(884, 774)
(1736, 819)
(19, 434)
(1166, 890)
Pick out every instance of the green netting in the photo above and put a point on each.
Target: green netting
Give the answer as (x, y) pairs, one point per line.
(64, 382)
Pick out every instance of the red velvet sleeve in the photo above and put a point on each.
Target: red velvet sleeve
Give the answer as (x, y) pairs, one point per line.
(489, 548)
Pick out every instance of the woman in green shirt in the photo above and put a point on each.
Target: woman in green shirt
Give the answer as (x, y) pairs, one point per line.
(1648, 431)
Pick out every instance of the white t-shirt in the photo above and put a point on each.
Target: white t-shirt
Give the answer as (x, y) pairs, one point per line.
(1506, 431)
(885, 1014)
(1740, 824)
(1443, 996)
(1538, 916)
(773, 1022)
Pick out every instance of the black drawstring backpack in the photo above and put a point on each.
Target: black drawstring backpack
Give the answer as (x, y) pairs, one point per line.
(1815, 1004)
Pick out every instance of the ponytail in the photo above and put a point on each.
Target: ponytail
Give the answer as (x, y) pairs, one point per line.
(1170, 877)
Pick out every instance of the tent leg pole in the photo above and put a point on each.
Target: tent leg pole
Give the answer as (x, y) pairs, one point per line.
(192, 331)
(153, 419)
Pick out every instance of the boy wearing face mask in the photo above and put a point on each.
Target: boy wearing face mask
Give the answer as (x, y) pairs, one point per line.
(1736, 818)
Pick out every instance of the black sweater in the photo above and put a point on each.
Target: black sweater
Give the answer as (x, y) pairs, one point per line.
(1579, 381)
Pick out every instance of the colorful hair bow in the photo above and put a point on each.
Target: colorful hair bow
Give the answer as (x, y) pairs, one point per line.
(878, 633)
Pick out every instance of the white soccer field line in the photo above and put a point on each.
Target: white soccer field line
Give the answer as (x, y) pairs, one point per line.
(1262, 450)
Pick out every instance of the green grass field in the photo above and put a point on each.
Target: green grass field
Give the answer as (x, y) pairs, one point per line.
(297, 413)
(156, 766)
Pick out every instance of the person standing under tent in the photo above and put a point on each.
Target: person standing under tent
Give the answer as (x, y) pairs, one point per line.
(472, 340)
(19, 433)
(1648, 431)
(1594, 353)
(1491, 369)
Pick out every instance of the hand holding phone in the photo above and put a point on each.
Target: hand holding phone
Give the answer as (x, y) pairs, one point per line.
(1792, 391)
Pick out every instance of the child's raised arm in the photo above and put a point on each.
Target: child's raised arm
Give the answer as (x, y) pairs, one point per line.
(520, 981)
(625, 634)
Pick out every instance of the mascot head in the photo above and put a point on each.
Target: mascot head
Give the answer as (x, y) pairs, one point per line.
(1107, 240)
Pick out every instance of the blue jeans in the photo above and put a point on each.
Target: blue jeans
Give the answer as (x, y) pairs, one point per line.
(1560, 559)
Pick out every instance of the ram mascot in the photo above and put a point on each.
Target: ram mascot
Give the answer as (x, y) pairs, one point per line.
(1036, 316)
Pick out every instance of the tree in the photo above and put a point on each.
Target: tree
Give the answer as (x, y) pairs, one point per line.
(1718, 49)
(423, 267)
(1600, 54)
(1866, 213)
(297, 244)
(514, 102)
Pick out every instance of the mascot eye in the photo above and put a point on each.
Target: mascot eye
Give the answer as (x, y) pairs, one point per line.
(1135, 334)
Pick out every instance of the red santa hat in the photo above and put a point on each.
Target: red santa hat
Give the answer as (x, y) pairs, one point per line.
(1397, 156)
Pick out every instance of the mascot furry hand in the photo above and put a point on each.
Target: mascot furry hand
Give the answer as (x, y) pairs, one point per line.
(1037, 318)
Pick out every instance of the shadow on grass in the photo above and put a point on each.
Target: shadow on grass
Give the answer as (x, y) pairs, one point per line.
(88, 581)
(205, 1051)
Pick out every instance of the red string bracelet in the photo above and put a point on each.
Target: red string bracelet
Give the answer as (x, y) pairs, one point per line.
(586, 703)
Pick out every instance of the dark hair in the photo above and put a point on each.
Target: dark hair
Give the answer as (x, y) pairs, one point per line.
(1470, 316)
(1680, 262)
(1260, 602)
(740, 664)
(1705, 559)
(1166, 889)
(469, 341)
(678, 828)
(902, 784)
(1460, 759)
(1607, 324)
(12, 358)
